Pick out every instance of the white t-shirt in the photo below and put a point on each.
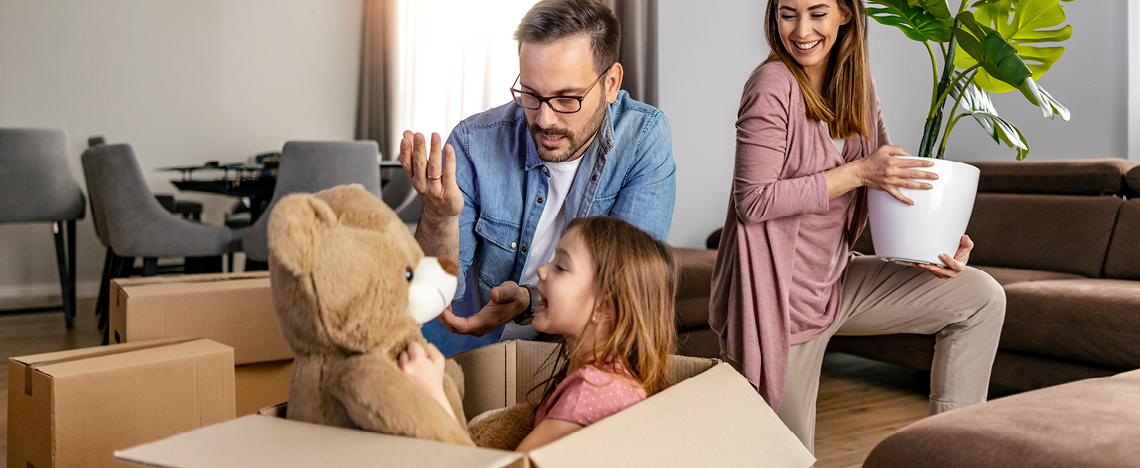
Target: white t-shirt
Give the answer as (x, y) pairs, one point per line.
(838, 142)
(551, 226)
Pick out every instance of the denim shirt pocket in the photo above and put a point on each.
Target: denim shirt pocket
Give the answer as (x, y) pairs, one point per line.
(602, 205)
(500, 247)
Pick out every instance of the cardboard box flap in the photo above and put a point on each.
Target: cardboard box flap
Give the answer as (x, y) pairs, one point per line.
(265, 441)
(189, 286)
(101, 362)
(84, 353)
(734, 429)
(194, 278)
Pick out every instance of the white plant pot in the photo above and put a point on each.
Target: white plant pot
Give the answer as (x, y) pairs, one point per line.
(934, 224)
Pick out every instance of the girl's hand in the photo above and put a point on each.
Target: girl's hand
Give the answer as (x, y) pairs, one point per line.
(956, 265)
(425, 367)
(882, 171)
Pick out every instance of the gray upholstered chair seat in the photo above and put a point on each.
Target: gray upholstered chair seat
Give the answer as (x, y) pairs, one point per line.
(133, 223)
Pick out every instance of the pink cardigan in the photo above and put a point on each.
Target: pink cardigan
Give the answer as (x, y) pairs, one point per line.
(777, 277)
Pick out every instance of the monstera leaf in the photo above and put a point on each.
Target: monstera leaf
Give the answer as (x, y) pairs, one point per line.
(1030, 24)
(914, 18)
(937, 8)
(978, 104)
(985, 47)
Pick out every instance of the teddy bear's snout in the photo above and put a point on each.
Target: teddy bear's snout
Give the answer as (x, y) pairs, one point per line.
(448, 266)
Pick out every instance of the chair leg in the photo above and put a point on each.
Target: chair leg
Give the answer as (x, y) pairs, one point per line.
(150, 266)
(71, 265)
(102, 305)
(61, 260)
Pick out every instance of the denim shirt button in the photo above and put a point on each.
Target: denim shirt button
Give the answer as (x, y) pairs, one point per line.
(544, 169)
(524, 249)
(513, 245)
(594, 177)
(539, 200)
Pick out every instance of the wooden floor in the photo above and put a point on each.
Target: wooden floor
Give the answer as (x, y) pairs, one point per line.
(860, 401)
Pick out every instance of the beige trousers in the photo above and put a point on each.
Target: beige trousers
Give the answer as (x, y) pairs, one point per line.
(964, 314)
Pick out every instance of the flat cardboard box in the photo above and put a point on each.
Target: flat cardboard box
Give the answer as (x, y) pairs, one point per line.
(74, 408)
(259, 385)
(711, 417)
(235, 309)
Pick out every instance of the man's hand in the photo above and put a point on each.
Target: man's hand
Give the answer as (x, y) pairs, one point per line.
(956, 265)
(508, 300)
(432, 174)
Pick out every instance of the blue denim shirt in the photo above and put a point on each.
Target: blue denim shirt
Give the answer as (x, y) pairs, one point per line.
(627, 171)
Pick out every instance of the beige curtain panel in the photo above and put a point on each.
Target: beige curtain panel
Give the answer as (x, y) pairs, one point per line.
(377, 59)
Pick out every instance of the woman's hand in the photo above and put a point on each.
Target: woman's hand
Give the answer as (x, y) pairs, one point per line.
(425, 367)
(956, 265)
(882, 171)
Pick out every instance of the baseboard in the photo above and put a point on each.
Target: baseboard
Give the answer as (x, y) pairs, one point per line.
(49, 291)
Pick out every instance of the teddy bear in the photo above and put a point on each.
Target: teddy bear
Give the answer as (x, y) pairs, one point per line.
(351, 288)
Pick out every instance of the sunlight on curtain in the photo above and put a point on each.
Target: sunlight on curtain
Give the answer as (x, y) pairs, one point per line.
(455, 58)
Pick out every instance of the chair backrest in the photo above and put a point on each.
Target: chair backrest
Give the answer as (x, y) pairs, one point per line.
(402, 198)
(312, 166)
(36, 184)
(121, 201)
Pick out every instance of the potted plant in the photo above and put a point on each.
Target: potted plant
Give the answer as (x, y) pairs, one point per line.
(989, 46)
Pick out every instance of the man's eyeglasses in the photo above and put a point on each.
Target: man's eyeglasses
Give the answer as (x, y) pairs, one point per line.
(560, 104)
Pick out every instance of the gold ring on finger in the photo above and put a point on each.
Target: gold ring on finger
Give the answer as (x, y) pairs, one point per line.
(436, 177)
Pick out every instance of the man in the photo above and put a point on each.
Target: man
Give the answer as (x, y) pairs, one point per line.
(500, 194)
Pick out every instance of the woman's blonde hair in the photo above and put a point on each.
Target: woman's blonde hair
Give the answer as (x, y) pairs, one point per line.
(844, 103)
(635, 280)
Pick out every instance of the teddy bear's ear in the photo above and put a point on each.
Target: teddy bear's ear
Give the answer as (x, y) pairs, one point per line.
(295, 225)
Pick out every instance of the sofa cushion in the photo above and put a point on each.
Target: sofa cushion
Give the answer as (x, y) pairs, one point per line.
(1006, 276)
(1090, 320)
(1123, 261)
(1132, 178)
(1079, 177)
(695, 286)
(1043, 232)
(1090, 423)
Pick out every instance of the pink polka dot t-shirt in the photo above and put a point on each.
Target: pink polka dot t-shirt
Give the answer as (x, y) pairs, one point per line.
(587, 396)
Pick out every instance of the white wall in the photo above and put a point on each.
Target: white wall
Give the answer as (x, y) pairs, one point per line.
(182, 82)
(708, 49)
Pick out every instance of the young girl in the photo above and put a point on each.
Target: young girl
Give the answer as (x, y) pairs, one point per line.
(610, 293)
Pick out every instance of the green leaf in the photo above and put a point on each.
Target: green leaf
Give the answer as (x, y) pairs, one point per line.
(1050, 107)
(916, 22)
(986, 47)
(1021, 23)
(978, 105)
(937, 8)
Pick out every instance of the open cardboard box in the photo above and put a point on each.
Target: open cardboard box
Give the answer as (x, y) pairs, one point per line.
(711, 417)
(235, 309)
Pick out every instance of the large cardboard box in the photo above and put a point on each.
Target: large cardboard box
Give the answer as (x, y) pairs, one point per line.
(235, 309)
(259, 385)
(74, 408)
(711, 417)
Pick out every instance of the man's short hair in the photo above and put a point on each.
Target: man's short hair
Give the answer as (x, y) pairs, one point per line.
(551, 20)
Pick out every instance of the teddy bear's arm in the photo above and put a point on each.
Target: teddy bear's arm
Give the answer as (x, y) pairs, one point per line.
(380, 397)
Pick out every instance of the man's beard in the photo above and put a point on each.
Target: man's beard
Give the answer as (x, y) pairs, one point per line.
(573, 141)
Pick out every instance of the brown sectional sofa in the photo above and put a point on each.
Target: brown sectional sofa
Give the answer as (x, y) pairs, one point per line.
(1063, 238)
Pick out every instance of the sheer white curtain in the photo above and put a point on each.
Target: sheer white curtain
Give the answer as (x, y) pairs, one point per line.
(455, 58)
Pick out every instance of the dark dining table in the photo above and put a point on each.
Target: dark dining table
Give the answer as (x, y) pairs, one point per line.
(254, 182)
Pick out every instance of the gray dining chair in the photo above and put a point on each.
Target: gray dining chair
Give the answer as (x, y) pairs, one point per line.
(402, 198)
(132, 223)
(36, 186)
(312, 166)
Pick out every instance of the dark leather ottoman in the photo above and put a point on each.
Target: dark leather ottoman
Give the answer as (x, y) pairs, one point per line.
(1088, 423)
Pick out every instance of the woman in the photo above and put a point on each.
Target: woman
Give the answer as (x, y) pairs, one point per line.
(810, 141)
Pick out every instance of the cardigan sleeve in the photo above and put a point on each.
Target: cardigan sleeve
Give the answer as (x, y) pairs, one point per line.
(762, 147)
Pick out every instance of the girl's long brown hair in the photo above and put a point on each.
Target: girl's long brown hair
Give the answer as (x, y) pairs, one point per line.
(844, 103)
(635, 278)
